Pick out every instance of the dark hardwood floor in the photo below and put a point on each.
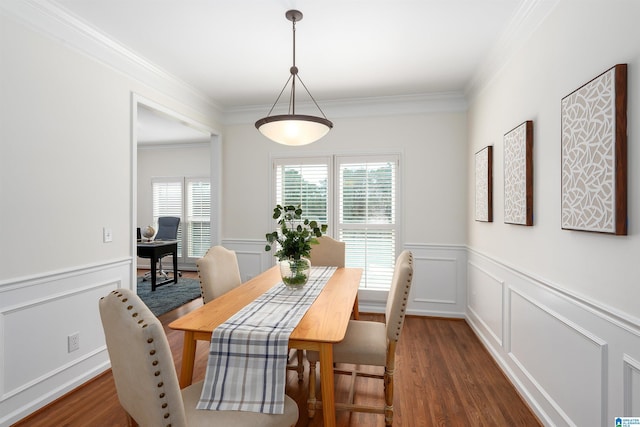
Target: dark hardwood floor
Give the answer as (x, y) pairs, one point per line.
(444, 377)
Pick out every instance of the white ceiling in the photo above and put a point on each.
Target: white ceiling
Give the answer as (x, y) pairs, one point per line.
(238, 53)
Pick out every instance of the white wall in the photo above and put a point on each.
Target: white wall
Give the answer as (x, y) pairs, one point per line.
(432, 146)
(433, 168)
(65, 173)
(559, 308)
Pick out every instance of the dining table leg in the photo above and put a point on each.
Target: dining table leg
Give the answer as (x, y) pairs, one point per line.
(188, 359)
(356, 309)
(327, 386)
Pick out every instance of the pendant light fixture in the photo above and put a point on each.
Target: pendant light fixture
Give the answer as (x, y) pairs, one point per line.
(292, 128)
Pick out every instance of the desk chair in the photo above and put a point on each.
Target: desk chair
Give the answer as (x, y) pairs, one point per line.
(167, 230)
(371, 343)
(145, 376)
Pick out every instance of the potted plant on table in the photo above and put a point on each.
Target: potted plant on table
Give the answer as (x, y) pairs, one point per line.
(294, 238)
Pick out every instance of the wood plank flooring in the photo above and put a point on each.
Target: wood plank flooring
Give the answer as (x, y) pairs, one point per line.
(444, 377)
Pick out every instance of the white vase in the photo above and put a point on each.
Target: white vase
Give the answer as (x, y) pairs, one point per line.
(295, 272)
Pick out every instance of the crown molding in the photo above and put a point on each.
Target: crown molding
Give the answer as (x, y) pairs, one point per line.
(525, 22)
(51, 20)
(48, 18)
(362, 107)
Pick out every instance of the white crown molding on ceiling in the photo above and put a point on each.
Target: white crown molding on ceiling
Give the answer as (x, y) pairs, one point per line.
(526, 21)
(363, 107)
(48, 18)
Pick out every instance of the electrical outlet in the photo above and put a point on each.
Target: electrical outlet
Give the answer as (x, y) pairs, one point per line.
(107, 235)
(73, 342)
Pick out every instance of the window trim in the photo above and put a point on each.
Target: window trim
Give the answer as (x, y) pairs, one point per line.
(334, 161)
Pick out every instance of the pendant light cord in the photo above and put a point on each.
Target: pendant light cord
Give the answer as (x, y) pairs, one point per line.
(292, 78)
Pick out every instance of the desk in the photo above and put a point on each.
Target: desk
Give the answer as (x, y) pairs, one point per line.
(324, 324)
(156, 250)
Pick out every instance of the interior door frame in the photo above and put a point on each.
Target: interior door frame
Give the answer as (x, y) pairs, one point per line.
(215, 171)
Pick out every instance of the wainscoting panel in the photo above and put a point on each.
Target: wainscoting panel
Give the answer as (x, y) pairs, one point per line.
(631, 386)
(485, 296)
(37, 314)
(439, 275)
(573, 361)
(252, 258)
(558, 373)
(438, 287)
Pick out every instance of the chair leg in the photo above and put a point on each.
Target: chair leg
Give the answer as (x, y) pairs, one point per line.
(300, 365)
(388, 397)
(311, 400)
(388, 383)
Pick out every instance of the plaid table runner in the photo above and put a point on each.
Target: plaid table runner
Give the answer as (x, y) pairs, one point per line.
(247, 363)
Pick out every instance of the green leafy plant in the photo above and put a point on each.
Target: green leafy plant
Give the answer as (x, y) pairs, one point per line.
(295, 234)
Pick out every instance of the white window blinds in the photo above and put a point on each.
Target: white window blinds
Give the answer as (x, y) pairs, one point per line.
(190, 200)
(306, 183)
(365, 216)
(198, 217)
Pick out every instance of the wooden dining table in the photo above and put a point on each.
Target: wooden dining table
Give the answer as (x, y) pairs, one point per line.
(324, 324)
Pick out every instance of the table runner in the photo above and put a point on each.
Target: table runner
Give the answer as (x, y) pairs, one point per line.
(246, 370)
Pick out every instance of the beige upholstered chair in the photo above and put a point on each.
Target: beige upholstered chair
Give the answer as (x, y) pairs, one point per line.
(218, 272)
(371, 343)
(146, 379)
(327, 252)
(330, 252)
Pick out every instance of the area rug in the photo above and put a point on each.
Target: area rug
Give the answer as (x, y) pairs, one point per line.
(167, 297)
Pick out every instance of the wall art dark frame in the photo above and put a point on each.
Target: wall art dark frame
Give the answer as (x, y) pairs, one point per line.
(484, 185)
(518, 175)
(594, 155)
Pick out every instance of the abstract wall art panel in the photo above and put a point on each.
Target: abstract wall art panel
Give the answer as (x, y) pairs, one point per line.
(594, 154)
(518, 175)
(484, 184)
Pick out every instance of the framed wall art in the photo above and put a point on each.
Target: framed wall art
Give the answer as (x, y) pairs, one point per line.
(484, 184)
(518, 175)
(594, 155)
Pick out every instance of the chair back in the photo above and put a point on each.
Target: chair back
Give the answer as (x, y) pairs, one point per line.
(167, 228)
(141, 361)
(398, 295)
(327, 252)
(218, 272)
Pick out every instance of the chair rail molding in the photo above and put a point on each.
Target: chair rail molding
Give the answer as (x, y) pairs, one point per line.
(573, 360)
(31, 319)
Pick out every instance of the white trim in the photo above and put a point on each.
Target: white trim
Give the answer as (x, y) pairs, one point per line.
(215, 169)
(622, 320)
(441, 102)
(612, 368)
(14, 283)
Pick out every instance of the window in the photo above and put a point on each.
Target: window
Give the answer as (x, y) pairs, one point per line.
(367, 217)
(190, 200)
(306, 183)
(365, 189)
